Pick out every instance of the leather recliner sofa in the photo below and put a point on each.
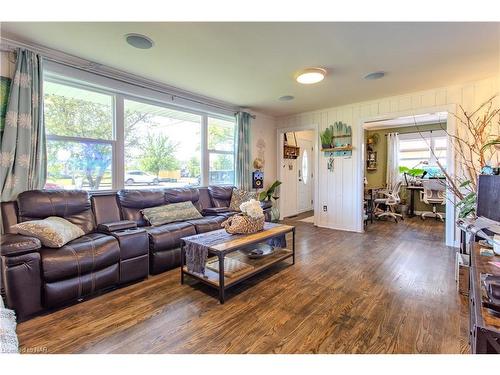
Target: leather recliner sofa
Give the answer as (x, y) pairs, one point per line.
(118, 247)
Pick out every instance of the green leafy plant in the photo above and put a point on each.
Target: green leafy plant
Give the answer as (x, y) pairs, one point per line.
(326, 137)
(414, 172)
(270, 192)
(467, 206)
(494, 143)
(476, 144)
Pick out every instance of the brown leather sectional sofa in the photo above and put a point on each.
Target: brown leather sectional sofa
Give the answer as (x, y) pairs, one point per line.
(118, 247)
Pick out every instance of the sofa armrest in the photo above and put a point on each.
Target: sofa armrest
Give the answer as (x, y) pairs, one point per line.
(16, 244)
(116, 226)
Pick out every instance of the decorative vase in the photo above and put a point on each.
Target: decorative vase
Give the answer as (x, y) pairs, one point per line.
(275, 214)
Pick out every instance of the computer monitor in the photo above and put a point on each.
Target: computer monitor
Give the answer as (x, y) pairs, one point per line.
(488, 197)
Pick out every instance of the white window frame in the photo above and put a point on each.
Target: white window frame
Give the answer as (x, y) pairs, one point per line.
(431, 146)
(220, 152)
(73, 77)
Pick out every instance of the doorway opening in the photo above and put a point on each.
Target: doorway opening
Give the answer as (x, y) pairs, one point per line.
(403, 183)
(297, 171)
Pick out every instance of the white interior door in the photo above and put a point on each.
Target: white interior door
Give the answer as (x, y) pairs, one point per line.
(305, 176)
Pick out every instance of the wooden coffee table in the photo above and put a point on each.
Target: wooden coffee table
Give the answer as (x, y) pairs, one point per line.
(230, 248)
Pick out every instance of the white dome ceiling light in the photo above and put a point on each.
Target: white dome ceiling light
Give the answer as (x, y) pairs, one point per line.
(139, 41)
(310, 75)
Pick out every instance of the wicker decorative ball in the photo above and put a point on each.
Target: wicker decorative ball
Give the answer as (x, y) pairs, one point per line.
(243, 224)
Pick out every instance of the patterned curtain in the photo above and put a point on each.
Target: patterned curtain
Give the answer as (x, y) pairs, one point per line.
(23, 155)
(392, 175)
(243, 178)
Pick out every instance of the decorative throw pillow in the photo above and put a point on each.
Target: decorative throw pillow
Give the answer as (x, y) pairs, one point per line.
(8, 337)
(170, 213)
(240, 196)
(53, 231)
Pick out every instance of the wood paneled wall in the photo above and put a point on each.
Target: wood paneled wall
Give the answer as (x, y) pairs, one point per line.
(339, 190)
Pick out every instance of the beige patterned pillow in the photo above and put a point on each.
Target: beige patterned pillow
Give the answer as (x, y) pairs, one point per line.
(240, 196)
(52, 232)
(170, 213)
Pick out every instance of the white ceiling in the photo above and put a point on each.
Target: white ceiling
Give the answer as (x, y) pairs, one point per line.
(253, 64)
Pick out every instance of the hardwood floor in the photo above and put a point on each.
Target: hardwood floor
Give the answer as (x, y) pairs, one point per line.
(390, 290)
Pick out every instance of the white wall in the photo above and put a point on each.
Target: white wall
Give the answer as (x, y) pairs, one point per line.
(339, 189)
(263, 140)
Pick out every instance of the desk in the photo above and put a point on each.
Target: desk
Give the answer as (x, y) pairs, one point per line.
(369, 197)
(411, 189)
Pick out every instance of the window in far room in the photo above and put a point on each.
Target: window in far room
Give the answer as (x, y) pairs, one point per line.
(415, 151)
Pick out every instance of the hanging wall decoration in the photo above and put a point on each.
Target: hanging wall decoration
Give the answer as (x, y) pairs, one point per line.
(336, 140)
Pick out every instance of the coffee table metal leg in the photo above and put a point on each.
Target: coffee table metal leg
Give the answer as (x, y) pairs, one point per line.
(293, 246)
(182, 263)
(221, 278)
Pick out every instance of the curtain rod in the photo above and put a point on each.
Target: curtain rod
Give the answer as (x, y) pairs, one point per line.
(252, 116)
(425, 131)
(8, 45)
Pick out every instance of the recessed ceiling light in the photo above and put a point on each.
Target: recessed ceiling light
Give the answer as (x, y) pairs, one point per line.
(374, 75)
(139, 41)
(286, 98)
(310, 75)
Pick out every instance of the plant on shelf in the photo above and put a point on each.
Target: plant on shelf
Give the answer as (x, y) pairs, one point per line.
(327, 137)
(269, 195)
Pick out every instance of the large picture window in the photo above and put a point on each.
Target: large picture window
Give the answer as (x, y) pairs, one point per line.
(162, 146)
(98, 139)
(221, 151)
(79, 127)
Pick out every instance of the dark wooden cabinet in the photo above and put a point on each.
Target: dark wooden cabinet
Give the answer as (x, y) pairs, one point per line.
(484, 329)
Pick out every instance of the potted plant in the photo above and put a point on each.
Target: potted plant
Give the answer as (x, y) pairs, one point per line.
(476, 143)
(326, 137)
(414, 173)
(269, 195)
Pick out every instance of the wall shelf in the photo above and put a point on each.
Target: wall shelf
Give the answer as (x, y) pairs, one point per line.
(333, 149)
(291, 152)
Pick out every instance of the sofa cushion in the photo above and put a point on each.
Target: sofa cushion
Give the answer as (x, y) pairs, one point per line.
(81, 256)
(168, 236)
(72, 205)
(207, 224)
(53, 231)
(176, 195)
(240, 196)
(170, 213)
(227, 214)
(133, 201)
(220, 195)
(61, 292)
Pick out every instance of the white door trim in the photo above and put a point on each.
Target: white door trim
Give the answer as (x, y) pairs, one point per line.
(452, 234)
(279, 146)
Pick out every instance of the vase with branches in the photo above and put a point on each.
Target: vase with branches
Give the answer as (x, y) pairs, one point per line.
(476, 144)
